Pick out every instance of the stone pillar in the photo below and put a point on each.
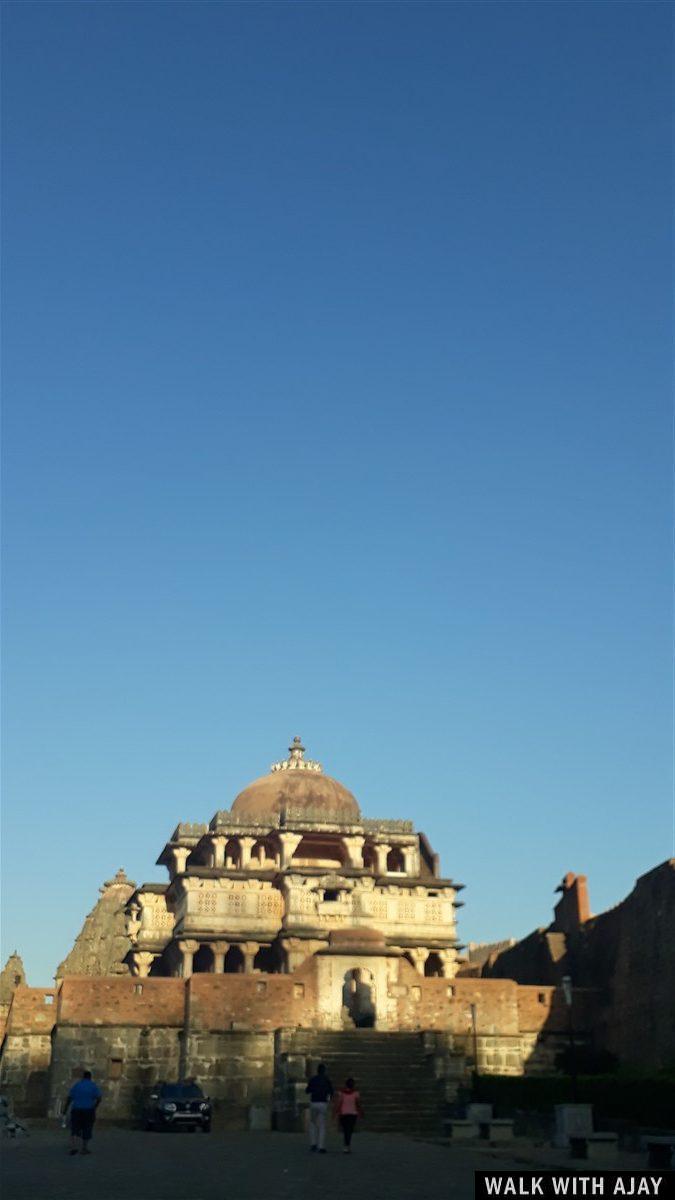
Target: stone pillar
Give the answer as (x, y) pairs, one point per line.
(449, 960)
(289, 844)
(218, 844)
(419, 956)
(141, 962)
(249, 950)
(382, 850)
(298, 950)
(246, 844)
(295, 950)
(354, 847)
(219, 950)
(179, 855)
(188, 950)
(409, 860)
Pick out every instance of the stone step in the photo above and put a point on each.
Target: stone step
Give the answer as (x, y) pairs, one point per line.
(394, 1074)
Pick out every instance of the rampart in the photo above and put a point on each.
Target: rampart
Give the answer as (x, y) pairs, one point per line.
(132, 1033)
(627, 955)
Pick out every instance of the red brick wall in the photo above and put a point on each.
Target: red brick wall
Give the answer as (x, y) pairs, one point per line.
(33, 1010)
(116, 1000)
(266, 1002)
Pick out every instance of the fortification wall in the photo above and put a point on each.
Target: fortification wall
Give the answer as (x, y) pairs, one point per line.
(236, 1069)
(629, 953)
(125, 1060)
(627, 956)
(121, 1000)
(133, 1033)
(259, 1002)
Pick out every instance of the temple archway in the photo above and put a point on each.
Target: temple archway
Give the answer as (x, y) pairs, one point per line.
(433, 967)
(265, 853)
(358, 997)
(395, 860)
(369, 857)
(268, 959)
(234, 961)
(232, 854)
(202, 962)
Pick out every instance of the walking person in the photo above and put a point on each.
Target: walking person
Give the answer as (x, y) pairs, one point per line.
(320, 1090)
(84, 1098)
(347, 1108)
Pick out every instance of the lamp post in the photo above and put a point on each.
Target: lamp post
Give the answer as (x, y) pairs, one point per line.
(567, 993)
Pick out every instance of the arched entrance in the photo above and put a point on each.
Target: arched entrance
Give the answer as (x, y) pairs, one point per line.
(358, 997)
(234, 961)
(203, 961)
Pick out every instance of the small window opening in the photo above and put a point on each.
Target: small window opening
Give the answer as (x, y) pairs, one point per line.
(331, 894)
(434, 894)
(115, 1069)
(138, 989)
(542, 997)
(49, 999)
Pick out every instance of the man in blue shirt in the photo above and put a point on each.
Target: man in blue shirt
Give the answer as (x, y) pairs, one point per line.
(320, 1090)
(84, 1097)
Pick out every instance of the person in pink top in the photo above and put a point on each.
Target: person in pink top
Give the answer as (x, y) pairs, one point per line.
(347, 1109)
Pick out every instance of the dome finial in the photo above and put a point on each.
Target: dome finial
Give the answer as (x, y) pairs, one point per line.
(296, 760)
(296, 750)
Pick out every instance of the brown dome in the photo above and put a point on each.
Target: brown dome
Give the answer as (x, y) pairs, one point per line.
(297, 787)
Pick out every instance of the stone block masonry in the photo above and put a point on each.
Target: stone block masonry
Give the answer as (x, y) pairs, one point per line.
(125, 1060)
(621, 961)
(132, 1033)
(27, 1049)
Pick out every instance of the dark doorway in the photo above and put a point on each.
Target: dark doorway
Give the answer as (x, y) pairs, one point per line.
(433, 967)
(357, 998)
(234, 961)
(268, 959)
(203, 961)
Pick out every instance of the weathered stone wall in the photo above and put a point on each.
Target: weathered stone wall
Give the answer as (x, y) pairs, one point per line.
(627, 955)
(124, 1060)
(236, 1069)
(26, 1050)
(132, 1033)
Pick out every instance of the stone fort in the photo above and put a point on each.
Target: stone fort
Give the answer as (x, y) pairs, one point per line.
(290, 929)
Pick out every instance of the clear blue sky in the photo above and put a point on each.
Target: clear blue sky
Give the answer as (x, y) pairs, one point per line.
(336, 376)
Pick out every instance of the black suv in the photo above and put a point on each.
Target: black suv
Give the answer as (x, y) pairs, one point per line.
(178, 1106)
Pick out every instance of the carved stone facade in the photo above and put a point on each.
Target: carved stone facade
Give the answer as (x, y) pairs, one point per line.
(264, 885)
(289, 924)
(102, 944)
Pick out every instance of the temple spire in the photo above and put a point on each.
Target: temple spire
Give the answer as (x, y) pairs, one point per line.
(296, 760)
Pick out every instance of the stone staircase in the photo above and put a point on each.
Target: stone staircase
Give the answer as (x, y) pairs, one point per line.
(393, 1072)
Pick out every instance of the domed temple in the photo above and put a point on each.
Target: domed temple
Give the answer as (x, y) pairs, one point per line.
(288, 872)
(291, 929)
